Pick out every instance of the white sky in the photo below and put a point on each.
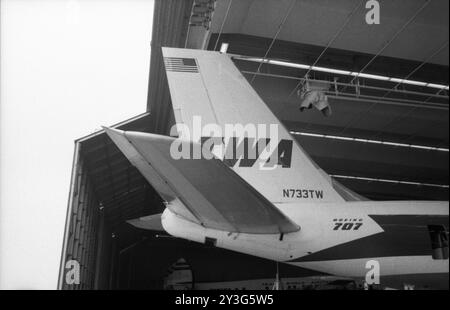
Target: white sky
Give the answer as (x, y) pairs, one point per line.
(67, 67)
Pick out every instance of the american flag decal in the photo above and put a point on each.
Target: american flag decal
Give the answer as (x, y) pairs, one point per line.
(176, 64)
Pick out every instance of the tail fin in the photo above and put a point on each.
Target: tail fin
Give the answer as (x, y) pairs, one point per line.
(207, 89)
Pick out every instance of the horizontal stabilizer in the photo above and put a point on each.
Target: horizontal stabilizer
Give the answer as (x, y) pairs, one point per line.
(212, 192)
(151, 222)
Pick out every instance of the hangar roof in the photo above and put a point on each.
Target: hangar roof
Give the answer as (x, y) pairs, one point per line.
(314, 22)
(120, 189)
(385, 141)
(334, 36)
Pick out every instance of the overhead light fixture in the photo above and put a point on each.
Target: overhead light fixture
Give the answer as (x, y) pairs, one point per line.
(343, 72)
(224, 48)
(287, 64)
(416, 83)
(370, 141)
(440, 86)
(370, 76)
(328, 70)
(389, 181)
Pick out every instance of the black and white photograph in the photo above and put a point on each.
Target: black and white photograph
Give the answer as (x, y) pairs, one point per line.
(224, 146)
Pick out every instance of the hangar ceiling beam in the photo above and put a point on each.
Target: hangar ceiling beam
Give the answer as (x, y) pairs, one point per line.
(398, 118)
(289, 10)
(390, 181)
(371, 99)
(392, 39)
(377, 54)
(413, 108)
(341, 72)
(223, 23)
(440, 91)
(427, 60)
(375, 101)
(335, 36)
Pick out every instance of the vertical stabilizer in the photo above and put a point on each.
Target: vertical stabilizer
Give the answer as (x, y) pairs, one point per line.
(207, 88)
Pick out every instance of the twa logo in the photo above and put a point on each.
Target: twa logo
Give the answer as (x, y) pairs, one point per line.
(236, 145)
(247, 151)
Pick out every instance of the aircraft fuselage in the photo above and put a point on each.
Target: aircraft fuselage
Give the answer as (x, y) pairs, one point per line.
(345, 239)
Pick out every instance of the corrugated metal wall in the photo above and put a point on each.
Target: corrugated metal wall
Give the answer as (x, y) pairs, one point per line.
(105, 192)
(82, 228)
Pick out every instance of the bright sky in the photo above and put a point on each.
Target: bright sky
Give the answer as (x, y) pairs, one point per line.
(67, 67)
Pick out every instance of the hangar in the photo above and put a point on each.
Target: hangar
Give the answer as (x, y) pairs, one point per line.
(386, 137)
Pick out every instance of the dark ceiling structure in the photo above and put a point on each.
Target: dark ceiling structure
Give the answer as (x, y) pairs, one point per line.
(406, 123)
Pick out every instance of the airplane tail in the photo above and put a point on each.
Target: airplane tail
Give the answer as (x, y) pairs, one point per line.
(211, 98)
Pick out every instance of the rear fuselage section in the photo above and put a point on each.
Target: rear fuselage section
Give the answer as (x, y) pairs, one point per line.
(347, 239)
